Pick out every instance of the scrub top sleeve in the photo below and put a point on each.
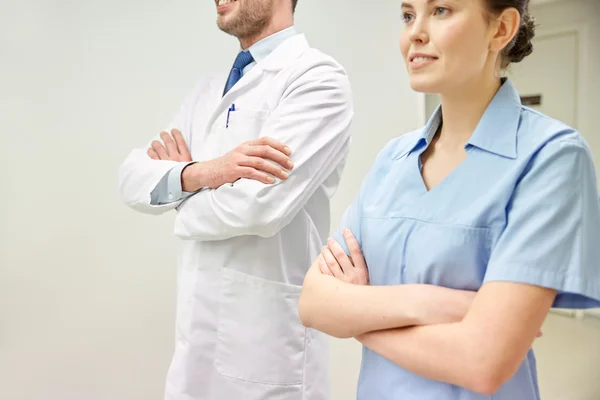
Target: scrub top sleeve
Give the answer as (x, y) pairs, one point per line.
(353, 215)
(553, 227)
(350, 220)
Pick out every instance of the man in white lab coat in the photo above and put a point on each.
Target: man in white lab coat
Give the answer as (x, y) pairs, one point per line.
(252, 222)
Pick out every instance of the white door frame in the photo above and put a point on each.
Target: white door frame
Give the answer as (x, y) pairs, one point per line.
(581, 33)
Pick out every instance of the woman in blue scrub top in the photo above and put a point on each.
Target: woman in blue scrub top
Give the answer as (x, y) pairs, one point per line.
(466, 232)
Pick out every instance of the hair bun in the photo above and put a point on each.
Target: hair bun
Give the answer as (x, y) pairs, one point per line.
(522, 46)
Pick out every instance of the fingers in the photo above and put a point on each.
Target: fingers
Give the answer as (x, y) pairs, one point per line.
(160, 150)
(181, 145)
(340, 255)
(332, 263)
(251, 173)
(152, 154)
(172, 148)
(265, 155)
(262, 165)
(276, 144)
(354, 267)
(170, 145)
(269, 153)
(358, 259)
(323, 266)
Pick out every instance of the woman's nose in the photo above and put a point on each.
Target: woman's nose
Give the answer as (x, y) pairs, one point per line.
(418, 33)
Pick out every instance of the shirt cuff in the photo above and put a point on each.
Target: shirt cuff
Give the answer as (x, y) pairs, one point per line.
(169, 188)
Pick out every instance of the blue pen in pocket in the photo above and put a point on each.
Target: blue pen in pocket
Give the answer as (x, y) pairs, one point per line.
(232, 108)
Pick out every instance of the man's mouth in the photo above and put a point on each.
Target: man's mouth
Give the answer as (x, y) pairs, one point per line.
(224, 2)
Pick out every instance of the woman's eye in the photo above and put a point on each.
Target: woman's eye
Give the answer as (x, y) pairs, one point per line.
(441, 11)
(406, 17)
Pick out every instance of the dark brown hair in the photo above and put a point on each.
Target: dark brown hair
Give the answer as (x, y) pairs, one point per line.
(521, 46)
(294, 4)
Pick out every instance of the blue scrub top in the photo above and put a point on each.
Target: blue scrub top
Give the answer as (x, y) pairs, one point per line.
(523, 207)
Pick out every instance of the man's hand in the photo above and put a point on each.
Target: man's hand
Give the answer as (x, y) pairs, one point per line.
(174, 148)
(334, 261)
(261, 159)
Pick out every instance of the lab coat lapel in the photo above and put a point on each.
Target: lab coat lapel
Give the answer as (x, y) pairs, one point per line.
(281, 57)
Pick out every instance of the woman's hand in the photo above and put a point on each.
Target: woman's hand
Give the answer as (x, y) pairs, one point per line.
(334, 261)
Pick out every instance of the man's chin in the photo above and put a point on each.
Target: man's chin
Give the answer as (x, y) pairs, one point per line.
(225, 24)
(226, 29)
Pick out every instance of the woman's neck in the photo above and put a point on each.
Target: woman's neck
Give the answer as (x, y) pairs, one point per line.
(463, 108)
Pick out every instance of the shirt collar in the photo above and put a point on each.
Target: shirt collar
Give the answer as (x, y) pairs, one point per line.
(496, 131)
(425, 135)
(261, 49)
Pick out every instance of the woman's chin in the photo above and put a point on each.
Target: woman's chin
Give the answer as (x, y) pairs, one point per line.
(420, 85)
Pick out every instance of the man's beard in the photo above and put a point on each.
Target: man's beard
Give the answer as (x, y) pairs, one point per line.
(250, 19)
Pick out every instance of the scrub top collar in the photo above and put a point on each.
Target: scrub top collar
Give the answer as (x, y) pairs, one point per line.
(496, 132)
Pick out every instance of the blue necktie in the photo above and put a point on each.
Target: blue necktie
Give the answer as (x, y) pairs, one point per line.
(241, 62)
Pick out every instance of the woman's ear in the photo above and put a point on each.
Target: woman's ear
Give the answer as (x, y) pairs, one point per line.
(506, 27)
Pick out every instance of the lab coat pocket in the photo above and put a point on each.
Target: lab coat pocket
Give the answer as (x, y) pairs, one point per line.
(260, 337)
(241, 126)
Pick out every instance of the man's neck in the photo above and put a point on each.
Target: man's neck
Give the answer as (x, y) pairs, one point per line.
(269, 30)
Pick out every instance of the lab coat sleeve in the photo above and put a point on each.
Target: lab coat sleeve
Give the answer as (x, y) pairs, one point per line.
(140, 176)
(313, 118)
(551, 237)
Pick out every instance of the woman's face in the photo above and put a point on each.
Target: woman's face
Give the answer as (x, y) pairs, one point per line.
(446, 43)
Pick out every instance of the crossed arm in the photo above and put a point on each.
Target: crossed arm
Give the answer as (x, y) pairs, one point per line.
(313, 118)
(432, 331)
(345, 310)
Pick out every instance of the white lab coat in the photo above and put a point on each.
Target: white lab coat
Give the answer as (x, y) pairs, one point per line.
(247, 245)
